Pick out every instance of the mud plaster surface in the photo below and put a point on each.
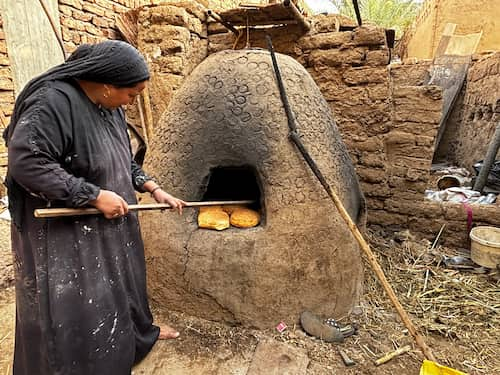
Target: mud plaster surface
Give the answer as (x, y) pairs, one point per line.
(228, 113)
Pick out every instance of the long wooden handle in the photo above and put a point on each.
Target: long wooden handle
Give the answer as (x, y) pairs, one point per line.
(57, 212)
(381, 277)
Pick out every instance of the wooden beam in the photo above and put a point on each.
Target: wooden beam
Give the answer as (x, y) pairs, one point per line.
(31, 43)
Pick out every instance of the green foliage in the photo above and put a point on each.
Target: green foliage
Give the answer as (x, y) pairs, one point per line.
(390, 14)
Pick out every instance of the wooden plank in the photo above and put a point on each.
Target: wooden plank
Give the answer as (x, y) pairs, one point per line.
(463, 45)
(262, 15)
(448, 72)
(276, 358)
(448, 31)
(126, 24)
(32, 45)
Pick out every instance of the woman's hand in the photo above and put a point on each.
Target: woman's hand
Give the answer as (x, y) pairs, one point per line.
(110, 204)
(162, 196)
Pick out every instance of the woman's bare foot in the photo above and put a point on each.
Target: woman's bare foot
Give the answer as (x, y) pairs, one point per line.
(167, 332)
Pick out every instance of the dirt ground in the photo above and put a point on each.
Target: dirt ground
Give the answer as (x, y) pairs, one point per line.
(457, 311)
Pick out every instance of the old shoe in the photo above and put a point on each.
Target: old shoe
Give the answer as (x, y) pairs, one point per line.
(316, 327)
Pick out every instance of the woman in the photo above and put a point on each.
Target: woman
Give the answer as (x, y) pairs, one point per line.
(80, 281)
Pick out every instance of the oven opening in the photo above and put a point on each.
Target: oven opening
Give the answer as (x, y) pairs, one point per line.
(236, 184)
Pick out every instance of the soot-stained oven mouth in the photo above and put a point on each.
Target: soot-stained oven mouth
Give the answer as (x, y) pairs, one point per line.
(235, 183)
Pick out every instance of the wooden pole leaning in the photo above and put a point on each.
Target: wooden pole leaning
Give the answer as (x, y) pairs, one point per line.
(372, 260)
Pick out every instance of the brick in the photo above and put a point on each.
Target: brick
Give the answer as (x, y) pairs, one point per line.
(91, 29)
(405, 185)
(81, 16)
(372, 160)
(68, 22)
(337, 57)
(377, 57)
(6, 84)
(375, 190)
(378, 92)
(383, 217)
(101, 22)
(325, 40)
(372, 144)
(77, 4)
(417, 128)
(95, 9)
(363, 75)
(412, 162)
(106, 4)
(369, 36)
(403, 94)
(410, 75)
(371, 175)
(418, 208)
(374, 204)
(66, 10)
(416, 113)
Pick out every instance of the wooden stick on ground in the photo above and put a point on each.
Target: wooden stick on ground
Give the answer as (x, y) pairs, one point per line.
(388, 356)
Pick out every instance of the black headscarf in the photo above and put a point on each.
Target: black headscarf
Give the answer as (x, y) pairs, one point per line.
(113, 62)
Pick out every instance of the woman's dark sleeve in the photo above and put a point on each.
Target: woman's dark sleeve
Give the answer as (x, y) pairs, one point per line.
(139, 177)
(37, 149)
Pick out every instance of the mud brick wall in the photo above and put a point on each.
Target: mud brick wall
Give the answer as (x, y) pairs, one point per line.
(480, 112)
(6, 85)
(173, 38)
(387, 115)
(91, 21)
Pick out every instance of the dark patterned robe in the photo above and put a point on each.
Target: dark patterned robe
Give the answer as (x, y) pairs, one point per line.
(80, 281)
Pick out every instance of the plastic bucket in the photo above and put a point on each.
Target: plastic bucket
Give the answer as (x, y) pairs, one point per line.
(485, 246)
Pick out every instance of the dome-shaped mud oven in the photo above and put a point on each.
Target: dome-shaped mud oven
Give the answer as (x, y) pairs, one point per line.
(225, 137)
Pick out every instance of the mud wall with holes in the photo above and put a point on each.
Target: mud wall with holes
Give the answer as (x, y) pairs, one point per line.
(480, 112)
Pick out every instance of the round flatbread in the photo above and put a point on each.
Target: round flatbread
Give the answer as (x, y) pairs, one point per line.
(213, 219)
(244, 218)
